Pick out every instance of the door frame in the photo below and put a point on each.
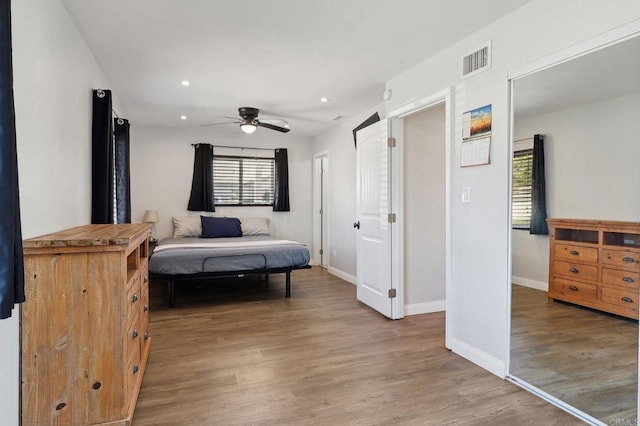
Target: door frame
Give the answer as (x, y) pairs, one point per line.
(397, 172)
(316, 188)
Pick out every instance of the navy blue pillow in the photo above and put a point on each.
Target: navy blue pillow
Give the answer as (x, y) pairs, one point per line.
(218, 227)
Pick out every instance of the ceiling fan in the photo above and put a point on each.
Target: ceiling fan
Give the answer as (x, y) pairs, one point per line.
(249, 121)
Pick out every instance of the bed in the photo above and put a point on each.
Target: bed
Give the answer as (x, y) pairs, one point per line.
(188, 256)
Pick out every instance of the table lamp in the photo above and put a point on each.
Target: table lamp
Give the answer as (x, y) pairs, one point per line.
(151, 216)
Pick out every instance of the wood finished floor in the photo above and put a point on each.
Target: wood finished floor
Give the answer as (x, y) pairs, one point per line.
(242, 354)
(584, 357)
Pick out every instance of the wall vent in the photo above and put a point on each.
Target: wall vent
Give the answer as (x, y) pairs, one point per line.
(477, 61)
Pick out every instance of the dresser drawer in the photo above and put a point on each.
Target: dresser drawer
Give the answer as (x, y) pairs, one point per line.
(133, 338)
(133, 370)
(626, 298)
(574, 289)
(620, 278)
(144, 318)
(575, 270)
(132, 301)
(577, 253)
(625, 258)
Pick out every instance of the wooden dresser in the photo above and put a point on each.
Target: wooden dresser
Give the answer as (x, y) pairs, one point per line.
(84, 325)
(596, 264)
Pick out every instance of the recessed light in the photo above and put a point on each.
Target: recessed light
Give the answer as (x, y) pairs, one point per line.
(185, 83)
(323, 99)
(183, 117)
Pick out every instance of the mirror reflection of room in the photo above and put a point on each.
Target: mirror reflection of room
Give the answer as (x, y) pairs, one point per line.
(574, 326)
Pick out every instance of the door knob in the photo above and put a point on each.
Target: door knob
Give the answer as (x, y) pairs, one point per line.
(357, 225)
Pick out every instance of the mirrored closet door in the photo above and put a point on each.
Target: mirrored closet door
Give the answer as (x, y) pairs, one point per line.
(583, 350)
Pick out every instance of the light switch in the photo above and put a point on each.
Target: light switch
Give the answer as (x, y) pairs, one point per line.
(466, 194)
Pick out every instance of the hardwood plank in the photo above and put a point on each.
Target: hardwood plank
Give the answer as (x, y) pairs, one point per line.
(585, 357)
(238, 352)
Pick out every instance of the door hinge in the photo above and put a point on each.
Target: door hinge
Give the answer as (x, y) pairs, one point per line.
(392, 218)
(392, 293)
(321, 211)
(321, 251)
(391, 142)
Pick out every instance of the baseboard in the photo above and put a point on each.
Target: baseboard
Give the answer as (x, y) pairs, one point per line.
(538, 285)
(341, 274)
(424, 308)
(482, 359)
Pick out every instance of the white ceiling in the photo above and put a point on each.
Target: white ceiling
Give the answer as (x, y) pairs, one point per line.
(607, 73)
(281, 56)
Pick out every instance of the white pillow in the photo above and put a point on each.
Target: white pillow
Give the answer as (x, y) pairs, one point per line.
(186, 226)
(254, 225)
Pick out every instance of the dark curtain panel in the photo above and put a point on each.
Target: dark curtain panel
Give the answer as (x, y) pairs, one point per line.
(122, 171)
(374, 118)
(11, 261)
(201, 198)
(538, 190)
(102, 157)
(281, 195)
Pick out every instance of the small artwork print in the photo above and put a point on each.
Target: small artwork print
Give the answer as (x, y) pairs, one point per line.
(477, 122)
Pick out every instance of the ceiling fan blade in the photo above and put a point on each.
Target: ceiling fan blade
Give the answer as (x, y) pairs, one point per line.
(272, 127)
(217, 124)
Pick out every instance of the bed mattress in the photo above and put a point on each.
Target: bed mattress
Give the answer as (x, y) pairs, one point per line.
(186, 256)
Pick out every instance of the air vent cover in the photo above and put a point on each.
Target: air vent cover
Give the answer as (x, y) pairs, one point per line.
(477, 61)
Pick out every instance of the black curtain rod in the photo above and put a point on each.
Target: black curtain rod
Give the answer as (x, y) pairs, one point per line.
(237, 147)
(527, 139)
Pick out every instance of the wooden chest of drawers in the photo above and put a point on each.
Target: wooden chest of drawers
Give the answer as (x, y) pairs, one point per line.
(84, 325)
(595, 264)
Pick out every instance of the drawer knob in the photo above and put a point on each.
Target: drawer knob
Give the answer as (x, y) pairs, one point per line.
(573, 270)
(573, 288)
(574, 253)
(135, 368)
(628, 280)
(146, 336)
(627, 299)
(146, 308)
(628, 259)
(134, 299)
(135, 333)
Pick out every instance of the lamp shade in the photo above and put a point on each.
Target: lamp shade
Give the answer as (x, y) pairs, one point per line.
(248, 126)
(151, 216)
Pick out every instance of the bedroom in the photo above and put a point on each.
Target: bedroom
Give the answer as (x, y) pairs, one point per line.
(58, 154)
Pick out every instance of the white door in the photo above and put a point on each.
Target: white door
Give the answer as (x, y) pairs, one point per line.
(324, 217)
(320, 211)
(373, 223)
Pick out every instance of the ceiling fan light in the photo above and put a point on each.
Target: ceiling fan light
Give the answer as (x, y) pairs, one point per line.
(248, 127)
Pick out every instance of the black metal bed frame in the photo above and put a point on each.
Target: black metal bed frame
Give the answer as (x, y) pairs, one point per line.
(171, 279)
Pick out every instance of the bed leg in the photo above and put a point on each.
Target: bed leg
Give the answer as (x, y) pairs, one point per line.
(288, 285)
(172, 294)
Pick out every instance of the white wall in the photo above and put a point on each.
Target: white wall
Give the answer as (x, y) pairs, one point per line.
(54, 73)
(480, 231)
(162, 170)
(338, 141)
(591, 162)
(424, 210)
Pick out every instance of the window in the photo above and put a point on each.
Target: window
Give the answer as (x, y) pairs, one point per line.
(243, 181)
(521, 196)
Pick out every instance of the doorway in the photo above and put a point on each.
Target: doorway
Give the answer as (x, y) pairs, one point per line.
(423, 292)
(321, 209)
